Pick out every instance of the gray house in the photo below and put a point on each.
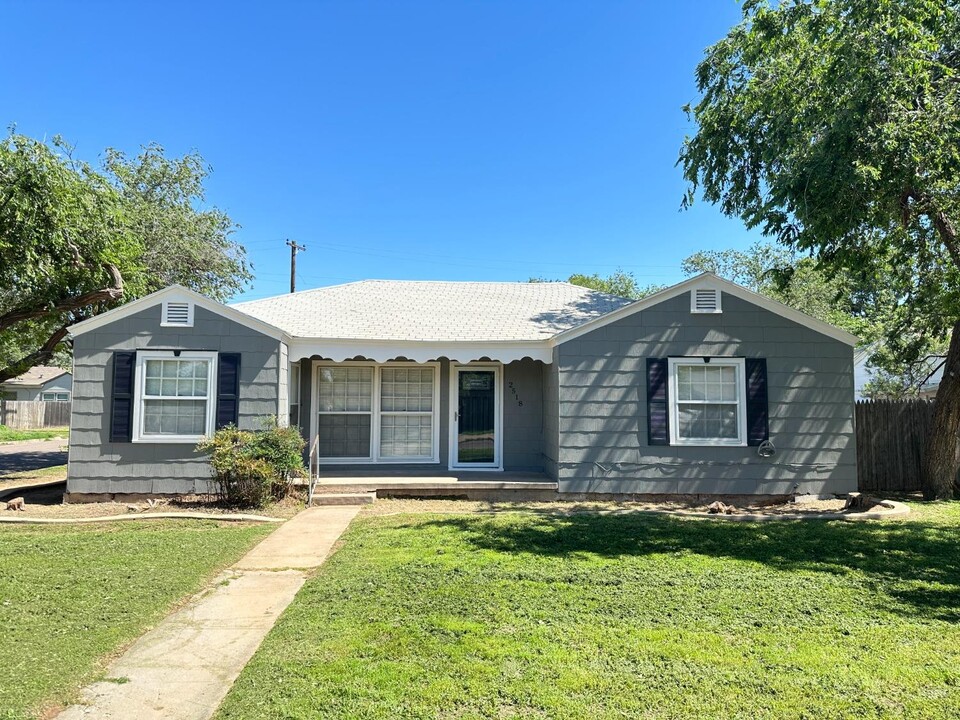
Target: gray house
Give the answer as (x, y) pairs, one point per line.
(41, 382)
(702, 388)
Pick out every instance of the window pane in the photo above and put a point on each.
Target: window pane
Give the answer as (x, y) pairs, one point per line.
(406, 389)
(174, 417)
(344, 436)
(406, 436)
(176, 378)
(345, 389)
(710, 383)
(707, 421)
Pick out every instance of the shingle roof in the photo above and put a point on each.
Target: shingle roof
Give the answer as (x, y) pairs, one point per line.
(36, 376)
(434, 311)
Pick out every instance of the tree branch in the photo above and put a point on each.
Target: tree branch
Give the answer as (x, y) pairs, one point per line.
(113, 292)
(38, 357)
(941, 223)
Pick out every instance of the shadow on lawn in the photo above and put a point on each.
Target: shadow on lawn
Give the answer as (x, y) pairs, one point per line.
(916, 563)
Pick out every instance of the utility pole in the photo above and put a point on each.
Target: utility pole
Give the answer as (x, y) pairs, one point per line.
(293, 262)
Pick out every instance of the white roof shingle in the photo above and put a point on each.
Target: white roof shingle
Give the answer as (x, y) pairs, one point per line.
(414, 310)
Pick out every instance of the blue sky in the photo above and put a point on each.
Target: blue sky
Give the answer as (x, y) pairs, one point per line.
(413, 140)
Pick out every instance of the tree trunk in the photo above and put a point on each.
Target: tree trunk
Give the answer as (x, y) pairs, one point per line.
(941, 463)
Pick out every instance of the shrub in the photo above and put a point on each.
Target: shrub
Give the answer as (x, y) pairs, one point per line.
(252, 467)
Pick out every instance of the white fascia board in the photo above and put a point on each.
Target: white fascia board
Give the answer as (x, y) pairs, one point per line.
(177, 293)
(339, 350)
(712, 281)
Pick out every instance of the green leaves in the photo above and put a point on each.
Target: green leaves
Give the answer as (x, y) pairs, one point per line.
(76, 241)
(834, 126)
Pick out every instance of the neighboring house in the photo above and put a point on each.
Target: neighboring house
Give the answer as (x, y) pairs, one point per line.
(674, 393)
(39, 383)
(927, 374)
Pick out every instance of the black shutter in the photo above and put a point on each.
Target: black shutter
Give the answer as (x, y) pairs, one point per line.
(658, 424)
(757, 412)
(228, 389)
(121, 401)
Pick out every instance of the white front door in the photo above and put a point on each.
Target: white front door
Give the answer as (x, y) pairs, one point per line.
(475, 403)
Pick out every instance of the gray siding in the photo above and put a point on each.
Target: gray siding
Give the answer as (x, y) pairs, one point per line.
(523, 430)
(551, 417)
(603, 415)
(99, 466)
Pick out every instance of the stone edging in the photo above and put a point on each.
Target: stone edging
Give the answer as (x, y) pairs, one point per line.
(230, 517)
(891, 509)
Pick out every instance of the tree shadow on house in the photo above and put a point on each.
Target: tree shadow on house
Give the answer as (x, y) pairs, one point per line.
(916, 564)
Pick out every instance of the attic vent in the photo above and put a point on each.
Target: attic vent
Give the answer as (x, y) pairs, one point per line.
(705, 300)
(177, 313)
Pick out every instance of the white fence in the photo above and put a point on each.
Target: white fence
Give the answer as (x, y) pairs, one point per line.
(32, 414)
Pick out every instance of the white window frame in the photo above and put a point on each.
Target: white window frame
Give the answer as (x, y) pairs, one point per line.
(140, 380)
(740, 365)
(163, 315)
(44, 393)
(375, 414)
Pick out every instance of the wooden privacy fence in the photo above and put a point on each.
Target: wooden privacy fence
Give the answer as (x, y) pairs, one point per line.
(31, 414)
(891, 441)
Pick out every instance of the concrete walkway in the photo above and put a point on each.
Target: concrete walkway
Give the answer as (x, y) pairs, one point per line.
(183, 668)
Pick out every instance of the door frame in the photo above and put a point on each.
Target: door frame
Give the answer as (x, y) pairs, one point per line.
(453, 451)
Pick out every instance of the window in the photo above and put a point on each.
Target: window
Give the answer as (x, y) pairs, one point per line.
(55, 396)
(345, 411)
(406, 412)
(707, 401)
(370, 412)
(293, 390)
(174, 396)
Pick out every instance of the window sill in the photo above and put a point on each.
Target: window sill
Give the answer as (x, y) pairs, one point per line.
(707, 443)
(169, 439)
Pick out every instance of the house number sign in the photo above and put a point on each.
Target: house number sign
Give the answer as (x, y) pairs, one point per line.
(516, 395)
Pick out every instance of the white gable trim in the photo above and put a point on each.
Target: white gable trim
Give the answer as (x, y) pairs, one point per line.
(709, 280)
(177, 293)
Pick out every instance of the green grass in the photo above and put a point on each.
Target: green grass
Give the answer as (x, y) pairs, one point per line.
(8, 434)
(47, 474)
(71, 595)
(620, 616)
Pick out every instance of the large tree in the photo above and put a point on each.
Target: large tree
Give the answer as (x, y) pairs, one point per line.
(76, 241)
(834, 126)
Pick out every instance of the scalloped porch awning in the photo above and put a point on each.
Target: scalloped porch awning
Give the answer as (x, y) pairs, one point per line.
(418, 351)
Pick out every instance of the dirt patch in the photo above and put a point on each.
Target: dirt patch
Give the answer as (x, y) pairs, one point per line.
(393, 506)
(286, 508)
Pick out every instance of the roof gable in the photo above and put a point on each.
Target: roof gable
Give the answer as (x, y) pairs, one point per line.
(177, 293)
(709, 280)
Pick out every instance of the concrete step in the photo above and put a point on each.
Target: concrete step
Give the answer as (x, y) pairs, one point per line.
(344, 498)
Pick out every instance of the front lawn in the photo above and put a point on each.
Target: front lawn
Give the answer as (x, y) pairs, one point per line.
(523, 615)
(70, 595)
(8, 434)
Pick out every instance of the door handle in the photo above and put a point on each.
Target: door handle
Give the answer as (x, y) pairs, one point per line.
(456, 416)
